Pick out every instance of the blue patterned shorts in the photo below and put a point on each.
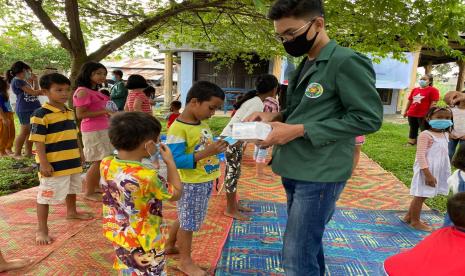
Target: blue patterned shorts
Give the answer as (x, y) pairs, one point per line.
(192, 207)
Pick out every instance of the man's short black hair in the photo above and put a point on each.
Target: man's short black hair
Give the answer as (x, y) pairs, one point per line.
(203, 91)
(129, 129)
(296, 8)
(176, 105)
(46, 81)
(456, 209)
(118, 73)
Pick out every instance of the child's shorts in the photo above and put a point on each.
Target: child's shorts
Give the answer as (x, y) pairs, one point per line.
(192, 207)
(24, 117)
(96, 145)
(359, 140)
(53, 190)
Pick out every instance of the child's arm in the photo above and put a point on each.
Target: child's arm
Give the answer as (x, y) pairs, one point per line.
(83, 158)
(173, 175)
(33, 92)
(82, 112)
(46, 168)
(137, 104)
(425, 141)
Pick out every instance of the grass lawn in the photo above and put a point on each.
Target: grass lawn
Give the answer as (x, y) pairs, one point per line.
(387, 148)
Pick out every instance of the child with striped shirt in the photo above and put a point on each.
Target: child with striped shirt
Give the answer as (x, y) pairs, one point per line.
(59, 153)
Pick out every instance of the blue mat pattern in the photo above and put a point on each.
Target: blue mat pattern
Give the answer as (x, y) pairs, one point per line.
(356, 241)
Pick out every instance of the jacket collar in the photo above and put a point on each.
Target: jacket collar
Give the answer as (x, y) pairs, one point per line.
(324, 55)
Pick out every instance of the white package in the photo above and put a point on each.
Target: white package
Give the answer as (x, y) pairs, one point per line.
(250, 131)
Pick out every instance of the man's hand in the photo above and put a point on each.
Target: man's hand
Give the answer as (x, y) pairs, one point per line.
(46, 169)
(282, 134)
(262, 117)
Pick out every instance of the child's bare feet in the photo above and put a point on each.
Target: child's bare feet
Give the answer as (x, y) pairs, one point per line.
(406, 219)
(244, 208)
(9, 152)
(191, 269)
(42, 238)
(93, 197)
(81, 216)
(421, 226)
(236, 215)
(15, 264)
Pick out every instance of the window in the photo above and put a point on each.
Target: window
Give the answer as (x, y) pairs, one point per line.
(386, 95)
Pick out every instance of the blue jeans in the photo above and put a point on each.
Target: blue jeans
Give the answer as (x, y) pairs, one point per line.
(453, 143)
(310, 206)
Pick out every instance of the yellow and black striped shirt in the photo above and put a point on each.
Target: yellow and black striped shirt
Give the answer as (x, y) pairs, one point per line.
(57, 130)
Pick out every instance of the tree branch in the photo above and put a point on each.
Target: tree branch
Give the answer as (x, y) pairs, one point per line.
(72, 15)
(36, 7)
(148, 23)
(204, 27)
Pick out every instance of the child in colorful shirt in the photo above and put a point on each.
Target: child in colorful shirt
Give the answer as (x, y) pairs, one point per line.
(133, 193)
(174, 108)
(195, 153)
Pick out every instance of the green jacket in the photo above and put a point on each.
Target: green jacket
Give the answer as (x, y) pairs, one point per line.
(336, 101)
(119, 94)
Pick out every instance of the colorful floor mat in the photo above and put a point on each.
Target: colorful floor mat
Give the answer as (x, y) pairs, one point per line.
(80, 247)
(371, 187)
(356, 241)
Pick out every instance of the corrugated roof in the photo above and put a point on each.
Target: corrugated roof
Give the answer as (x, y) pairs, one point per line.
(148, 68)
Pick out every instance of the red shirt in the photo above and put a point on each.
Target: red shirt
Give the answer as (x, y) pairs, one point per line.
(172, 118)
(441, 253)
(421, 101)
(136, 94)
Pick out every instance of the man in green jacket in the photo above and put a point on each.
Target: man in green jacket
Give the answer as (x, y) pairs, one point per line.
(331, 99)
(118, 93)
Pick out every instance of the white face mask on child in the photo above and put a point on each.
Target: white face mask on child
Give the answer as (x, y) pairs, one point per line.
(155, 156)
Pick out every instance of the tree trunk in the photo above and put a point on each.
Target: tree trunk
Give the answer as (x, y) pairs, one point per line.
(429, 68)
(461, 76)
(76, 64)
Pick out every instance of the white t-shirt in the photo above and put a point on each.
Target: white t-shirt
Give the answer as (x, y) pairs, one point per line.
(253, 105)
(459, 122)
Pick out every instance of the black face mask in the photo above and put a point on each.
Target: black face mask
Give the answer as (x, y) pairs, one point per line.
(300, 45)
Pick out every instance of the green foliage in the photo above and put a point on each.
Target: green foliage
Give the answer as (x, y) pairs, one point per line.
(387, 148)
(13, 180)
(14, 47)
(232, 28)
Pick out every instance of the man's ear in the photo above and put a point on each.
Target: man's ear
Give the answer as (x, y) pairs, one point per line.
(320, 23)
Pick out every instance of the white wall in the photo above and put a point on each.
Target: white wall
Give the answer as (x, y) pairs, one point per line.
(186, 76)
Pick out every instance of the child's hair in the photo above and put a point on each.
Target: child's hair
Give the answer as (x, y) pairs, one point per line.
(105, 92)
(203, 91)
(129, 129)
(459, 159)
(434, 110)
(4, 89)
(175, 105)
(46, 81)
(264, 84)
(15, 69)
(118, 72)
(149, 91)
(456, 209)
(431, 79)
(84, 77)
(136, 82)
